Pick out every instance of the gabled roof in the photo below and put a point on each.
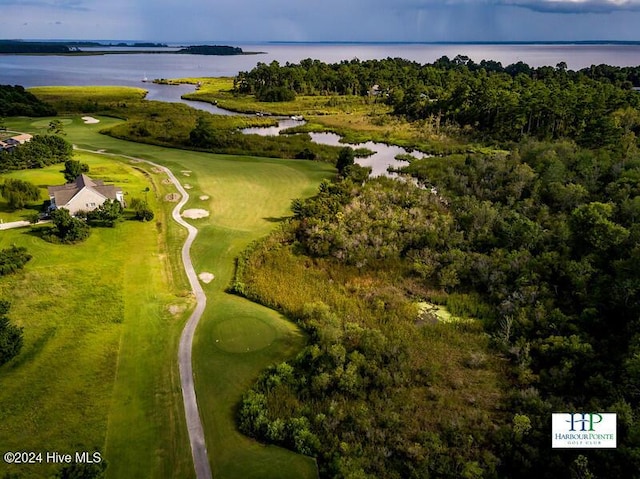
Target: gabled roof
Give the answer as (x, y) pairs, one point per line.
(65, 193)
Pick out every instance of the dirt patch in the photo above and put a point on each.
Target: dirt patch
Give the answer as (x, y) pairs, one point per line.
(89, 120)
(135, 161)
(195, 213)
(204, 197)
(155, 169)
(176, 309)
(166, 181)
(206, 277)
(172, 197)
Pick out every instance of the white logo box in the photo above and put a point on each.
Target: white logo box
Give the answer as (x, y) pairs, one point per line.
(590, 430)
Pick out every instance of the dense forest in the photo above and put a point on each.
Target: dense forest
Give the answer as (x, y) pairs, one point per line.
(16, 101)
(539, 243)
(493, 102)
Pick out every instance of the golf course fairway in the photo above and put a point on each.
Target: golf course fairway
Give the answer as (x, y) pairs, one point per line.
(137, 418)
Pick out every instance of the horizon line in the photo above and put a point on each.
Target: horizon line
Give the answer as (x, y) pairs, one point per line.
(346, 42)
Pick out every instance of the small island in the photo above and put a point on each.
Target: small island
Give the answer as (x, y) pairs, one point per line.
(212, 50)
(19, 47)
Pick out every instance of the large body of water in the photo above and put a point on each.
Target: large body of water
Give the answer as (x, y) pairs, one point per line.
(122, 69)
(131, 69)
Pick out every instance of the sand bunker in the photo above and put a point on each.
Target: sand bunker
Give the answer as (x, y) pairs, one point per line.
(187, 186)
(89, 120)
(195, 213)
(186, 172)
(204, 197)
(206, 277)
(155, 169)
(166, 181)
(172, 197)
(177, 308)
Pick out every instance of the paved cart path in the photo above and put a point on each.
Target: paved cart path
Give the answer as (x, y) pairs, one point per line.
(194, 424)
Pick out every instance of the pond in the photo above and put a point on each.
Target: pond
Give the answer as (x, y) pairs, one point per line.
(384, 155)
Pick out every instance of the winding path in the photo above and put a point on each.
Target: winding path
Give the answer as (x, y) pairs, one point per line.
(194, 424)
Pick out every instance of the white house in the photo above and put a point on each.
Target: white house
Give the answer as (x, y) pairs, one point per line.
(84, 194)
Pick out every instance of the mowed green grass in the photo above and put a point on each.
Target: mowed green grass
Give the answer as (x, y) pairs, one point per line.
(98, 341)
(236, 339)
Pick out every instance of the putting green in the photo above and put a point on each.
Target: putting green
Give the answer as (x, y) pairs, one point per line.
(243, 334)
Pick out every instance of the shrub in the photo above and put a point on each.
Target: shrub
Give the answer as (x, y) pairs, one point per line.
(142, 210)
(68, 229)
(10, 335)
(12, 259)
(18, 193)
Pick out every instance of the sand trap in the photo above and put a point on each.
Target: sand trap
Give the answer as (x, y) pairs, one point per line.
(155, 169)
(186, 172)
(177, 308)
(172, 197)
(195, 213)
(204, 197)
(89, 120)
(166, 181)
(206, 277)
(187, 186)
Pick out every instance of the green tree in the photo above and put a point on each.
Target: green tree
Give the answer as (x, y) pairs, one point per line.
(82, 471)
(108, 213)
(10, 335)
(142, 210)
(73, 169)
(18, 193)
(346, 158)
(67, 228)
(56, 127)
(202, 135)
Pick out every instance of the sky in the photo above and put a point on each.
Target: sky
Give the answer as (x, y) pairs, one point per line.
(324, 20)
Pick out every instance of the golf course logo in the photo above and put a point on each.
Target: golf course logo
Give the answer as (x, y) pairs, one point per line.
(583, 430)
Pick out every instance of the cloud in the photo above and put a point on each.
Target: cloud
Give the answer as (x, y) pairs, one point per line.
(575, 6)
(546, 6)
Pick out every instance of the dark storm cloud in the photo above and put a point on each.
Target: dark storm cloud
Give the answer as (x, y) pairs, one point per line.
(577, 6)
(546, 6)
(333, 20)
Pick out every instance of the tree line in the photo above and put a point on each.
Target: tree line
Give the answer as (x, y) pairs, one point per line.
(495, 102)
(16, 101)
(41, 151)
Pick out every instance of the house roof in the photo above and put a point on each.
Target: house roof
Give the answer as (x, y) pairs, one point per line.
(22, 138)
(65, 193)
